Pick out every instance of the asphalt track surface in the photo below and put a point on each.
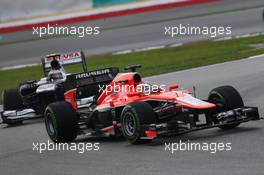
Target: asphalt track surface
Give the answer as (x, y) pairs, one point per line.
(137, 31)
(119, 157)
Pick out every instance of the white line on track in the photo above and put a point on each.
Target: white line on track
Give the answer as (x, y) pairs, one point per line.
(148, 48)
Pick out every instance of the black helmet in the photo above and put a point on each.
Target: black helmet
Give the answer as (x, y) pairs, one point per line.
(55, 65)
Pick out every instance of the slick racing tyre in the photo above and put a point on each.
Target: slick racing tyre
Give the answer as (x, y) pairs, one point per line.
(132, 117)
(61, 122)
(12, 101)
(229, 98)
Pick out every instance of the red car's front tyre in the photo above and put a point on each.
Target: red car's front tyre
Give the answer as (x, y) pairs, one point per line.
(132, 117)
(229, 98)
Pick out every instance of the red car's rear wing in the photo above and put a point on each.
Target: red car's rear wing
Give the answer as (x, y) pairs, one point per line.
(87, 83)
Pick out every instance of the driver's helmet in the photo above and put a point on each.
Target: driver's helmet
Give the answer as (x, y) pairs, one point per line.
(57, 72)
(54, 64)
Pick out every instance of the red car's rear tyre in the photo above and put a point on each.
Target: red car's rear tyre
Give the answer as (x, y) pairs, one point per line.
(61, 122)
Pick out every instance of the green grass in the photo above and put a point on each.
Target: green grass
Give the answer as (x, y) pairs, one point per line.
(153, 62)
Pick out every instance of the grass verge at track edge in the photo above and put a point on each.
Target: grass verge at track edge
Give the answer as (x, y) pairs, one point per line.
(154, 62)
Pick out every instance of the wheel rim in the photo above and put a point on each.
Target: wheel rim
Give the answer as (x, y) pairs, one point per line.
(129, 124)
(49, 124)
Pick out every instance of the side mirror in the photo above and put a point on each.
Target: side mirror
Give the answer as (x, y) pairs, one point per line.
(173, 86)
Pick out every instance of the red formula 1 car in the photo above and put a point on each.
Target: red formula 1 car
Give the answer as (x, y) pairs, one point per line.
(121, 104)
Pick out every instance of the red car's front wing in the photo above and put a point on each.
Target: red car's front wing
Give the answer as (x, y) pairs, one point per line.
(235, 116)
